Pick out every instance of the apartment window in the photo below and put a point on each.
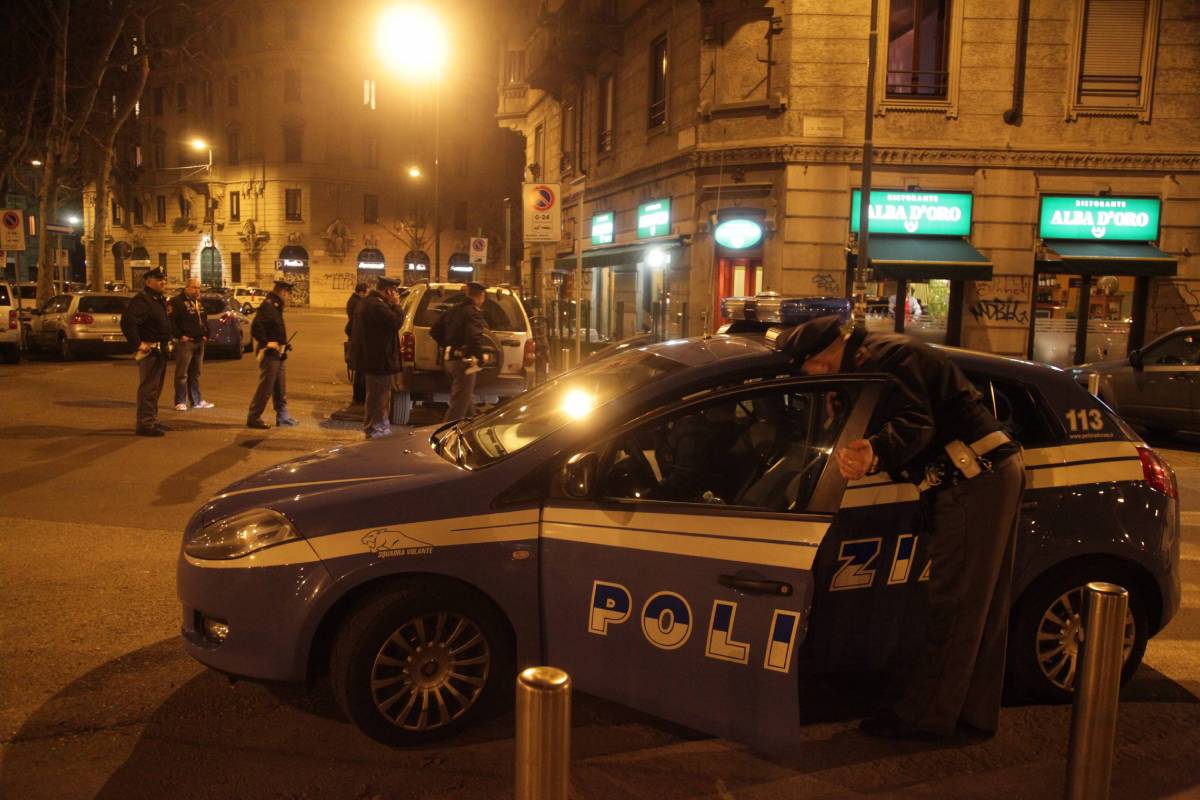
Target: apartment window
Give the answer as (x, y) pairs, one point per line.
(291, 24)
(235, 206)
(658, 83)
(210, 207)
(1114, 58)
(116, 213)
(292, 141)
(180, 98)
(605, 113)
(160, 209)
(539, 150)
(371, 151)
(291, 205)
(369, 93)
(158, 101)
(139, 217)
(569, 133)
(291, 85)
(185, 207)
(514, 66)
(233, 147)
(235, 267)
(160, 155)
(460, 215)
(206, 94)
(231, 90)
(162, 261)
(187, 266)
(918, 34)
(370, 208)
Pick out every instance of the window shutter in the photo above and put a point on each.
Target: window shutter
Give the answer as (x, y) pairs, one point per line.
(1113, 37)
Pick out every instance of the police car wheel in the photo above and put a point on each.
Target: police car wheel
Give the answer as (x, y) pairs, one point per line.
(1047, 628)
(420, 664)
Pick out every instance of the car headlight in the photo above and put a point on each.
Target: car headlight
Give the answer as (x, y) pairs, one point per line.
(240, 535)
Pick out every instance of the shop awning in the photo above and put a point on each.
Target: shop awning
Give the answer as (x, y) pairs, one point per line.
(1105, 258)
(922, 258)
(621, 255)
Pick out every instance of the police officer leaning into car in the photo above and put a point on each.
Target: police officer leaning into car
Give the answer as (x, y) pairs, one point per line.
(147, 327)
(271, 345)
(462, 350)
(189, 324)
(934, 431)
(375, 352)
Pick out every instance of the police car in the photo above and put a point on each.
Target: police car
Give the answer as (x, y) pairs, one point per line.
(667, 525)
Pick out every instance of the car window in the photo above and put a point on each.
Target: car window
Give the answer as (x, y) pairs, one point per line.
(103, 305)
(27, 292)
(5, 300)
(213, 305)
(1018, 410)
(1177, 350)
(764, 450)
(501, 311)
(57, 305)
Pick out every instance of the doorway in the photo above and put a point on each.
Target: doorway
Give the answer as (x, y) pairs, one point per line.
(736, 277)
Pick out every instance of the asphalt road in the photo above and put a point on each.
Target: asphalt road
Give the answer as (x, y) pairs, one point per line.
(97, 699)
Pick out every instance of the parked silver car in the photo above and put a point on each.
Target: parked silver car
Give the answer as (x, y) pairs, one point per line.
(82, 323)
(228, 327)
(1157, 386)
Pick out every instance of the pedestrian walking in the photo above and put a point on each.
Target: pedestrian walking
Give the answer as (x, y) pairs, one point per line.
(189, 324)
(375, 352)
(271, 346)
(352, 304)
(147, 327)
(461, 339)
(934, 431)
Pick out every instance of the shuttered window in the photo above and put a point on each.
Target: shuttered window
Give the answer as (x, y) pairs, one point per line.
(1114, 35)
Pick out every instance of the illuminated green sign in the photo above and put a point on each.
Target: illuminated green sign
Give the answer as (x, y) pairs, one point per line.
(738, 234)
(915, 213)
(654, 219)
(603, 228)
(1100, 218)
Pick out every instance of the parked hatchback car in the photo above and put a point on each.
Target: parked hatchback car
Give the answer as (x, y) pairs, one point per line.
(228, 327)
(511, 347)
(80, 324)
(10, 323)
(249, 298)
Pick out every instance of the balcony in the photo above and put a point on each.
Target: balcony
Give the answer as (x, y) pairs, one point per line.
(571, 40)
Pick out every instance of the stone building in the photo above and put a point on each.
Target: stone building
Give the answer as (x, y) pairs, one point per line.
(321, 161)
(748, 117)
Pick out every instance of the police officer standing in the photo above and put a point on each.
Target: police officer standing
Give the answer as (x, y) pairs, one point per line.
(462, 350)
(934, 431)
(147, 327)
(352, 304)
(271, 344)
(189, 323)
(375, 352)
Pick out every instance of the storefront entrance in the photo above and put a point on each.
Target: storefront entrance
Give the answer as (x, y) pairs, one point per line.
(736, 277)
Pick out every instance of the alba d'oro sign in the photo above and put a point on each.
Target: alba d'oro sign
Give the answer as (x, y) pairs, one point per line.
(654, 219)
(543, 212)
(915, 213)
(603, 228)
(1100, 218)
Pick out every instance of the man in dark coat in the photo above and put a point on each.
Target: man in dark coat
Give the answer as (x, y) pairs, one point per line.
(934, 431)
(189, 324)
(462, 350)
(375, 352)
(271, 344)
(352, 304)
(147, 326)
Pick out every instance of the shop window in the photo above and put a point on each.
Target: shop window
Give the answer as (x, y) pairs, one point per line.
(292, 144)
(1113, 69)
(291, 205)
(371, 208)
(235, 267)
(659, 83)
(231, 91)
(160, 209)
(921, 53)
(235, 206)
(605, 114)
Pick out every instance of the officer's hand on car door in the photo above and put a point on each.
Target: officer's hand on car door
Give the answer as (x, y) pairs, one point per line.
(855, 459)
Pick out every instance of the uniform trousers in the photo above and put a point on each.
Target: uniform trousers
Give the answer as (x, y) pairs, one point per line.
(972, 537)
(272, 385)
(377, 404)
(152, 371)
(462, 389)
(189, 357)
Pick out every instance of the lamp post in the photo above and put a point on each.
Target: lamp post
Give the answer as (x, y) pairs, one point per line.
(411, 41)
(210, 210)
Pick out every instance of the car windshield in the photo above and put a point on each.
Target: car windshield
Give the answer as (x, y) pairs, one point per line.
(501, 310)
(213, 305)
(103, 305)
(544, 410)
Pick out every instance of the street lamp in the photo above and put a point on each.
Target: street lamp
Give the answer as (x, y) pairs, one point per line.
(414, 171)
(200, 145)
(411, 41)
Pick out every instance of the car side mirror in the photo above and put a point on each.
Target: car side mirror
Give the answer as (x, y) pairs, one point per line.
(579, 475)
(1135, 359)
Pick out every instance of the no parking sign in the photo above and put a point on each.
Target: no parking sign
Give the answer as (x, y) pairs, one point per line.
(479, 247)
(12, 233)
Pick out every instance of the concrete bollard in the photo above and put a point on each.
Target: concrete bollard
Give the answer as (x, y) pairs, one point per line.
(543, 734)
(1097, 684)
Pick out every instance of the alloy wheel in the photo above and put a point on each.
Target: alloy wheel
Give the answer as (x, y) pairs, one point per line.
(1061, 631)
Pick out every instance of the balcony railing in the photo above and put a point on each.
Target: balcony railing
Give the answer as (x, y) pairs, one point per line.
(571, 39)
(917, 83)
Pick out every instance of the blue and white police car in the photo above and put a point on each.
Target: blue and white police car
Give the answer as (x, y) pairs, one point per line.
(667, 525)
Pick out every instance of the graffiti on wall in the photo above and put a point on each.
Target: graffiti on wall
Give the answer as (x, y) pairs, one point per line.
(1005, 287)
(827, 284)
(1005, 298)
(996, 310)
(340, 281)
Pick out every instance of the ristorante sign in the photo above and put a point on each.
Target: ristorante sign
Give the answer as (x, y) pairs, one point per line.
(1100, 218)
(915, 213)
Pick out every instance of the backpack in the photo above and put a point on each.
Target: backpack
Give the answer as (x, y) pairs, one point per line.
(441, 330)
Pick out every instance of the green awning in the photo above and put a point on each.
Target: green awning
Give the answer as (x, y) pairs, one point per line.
(618, 256)
(1105, 258)
(922, 258)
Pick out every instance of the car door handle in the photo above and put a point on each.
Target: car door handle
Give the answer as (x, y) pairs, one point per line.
(755, 585)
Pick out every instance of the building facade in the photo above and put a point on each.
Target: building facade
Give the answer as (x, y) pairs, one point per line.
(313, 161)
(721, 144)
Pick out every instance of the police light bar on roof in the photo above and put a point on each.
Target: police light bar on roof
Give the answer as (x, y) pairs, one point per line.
(772, 308)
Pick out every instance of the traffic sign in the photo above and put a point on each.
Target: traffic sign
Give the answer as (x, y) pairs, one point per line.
(543, 212)
(56, 227)
(479, 250)
(12, 233)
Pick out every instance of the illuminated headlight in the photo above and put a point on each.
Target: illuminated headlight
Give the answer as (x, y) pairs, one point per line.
(215, 630)
(239, 535)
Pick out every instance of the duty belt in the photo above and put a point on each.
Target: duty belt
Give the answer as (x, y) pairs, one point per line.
(962, 461)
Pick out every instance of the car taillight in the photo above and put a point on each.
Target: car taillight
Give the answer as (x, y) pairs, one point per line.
(1157, 473)
(408, 347)
(79, 318)
(12, 320)
(530, 353)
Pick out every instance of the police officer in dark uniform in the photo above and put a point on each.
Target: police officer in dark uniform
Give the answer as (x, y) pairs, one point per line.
(271, 344)
(147, 327)
(375, 352)
(352, 303)
(462, 352)
(934, 431)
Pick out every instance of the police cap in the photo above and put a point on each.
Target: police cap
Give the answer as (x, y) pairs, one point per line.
(284, 285)
(812, 337)
(156, 274)
(474, 287)
(383, 284)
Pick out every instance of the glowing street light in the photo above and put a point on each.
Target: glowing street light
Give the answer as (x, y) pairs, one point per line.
(414, 171)
(199, 144)
(35, 162)
(73, 220)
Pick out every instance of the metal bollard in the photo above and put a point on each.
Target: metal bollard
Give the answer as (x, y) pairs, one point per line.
(565, 358)
(543, 734)
(1094, 384)
(1094, 718)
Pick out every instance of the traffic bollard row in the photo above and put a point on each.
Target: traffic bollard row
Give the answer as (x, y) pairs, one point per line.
(543, 734)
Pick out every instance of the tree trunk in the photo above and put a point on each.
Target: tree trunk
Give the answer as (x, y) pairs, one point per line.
(48, 196)
(100, 220)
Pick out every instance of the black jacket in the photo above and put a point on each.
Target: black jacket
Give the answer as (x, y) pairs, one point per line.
(374, 345)
(351, 306)
(464, 330)
(268, 323)
(931, 403)
(145, 318)
(188, 318)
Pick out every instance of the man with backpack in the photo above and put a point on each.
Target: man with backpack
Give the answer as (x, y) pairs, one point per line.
(375, 352)
(459, 334)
